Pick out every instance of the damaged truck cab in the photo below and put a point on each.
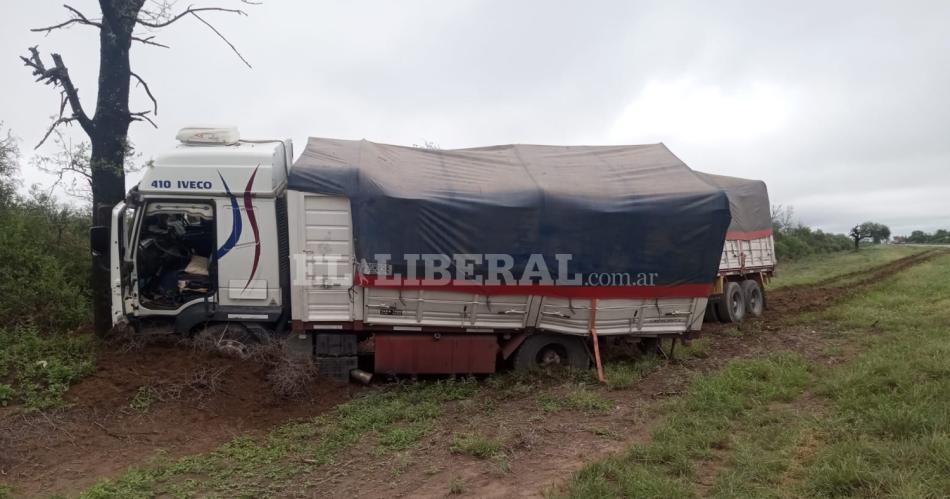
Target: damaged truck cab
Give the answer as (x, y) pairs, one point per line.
(197, 240)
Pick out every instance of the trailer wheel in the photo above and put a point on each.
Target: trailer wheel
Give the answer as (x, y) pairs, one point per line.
(228, 338)
(731, 307)
(542, 350)
(754, 298)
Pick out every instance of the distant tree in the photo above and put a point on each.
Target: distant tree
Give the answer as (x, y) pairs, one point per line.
(783, 218)
(122, 23)
(880, 233)
(918, 236)
(428, 144)
(869, 230)
(859, 233)
(9, 165)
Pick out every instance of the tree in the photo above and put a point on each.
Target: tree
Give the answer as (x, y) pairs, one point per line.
(859, 233)
(783, 218)
(122, 23)
(9, 165)
(880, 232)
(869, 230)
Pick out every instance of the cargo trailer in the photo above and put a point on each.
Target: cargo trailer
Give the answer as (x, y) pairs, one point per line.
(420, 261)
(748, 254)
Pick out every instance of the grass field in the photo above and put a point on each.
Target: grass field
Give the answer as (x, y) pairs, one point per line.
(817, 268)
(856, 404)
(875, 425)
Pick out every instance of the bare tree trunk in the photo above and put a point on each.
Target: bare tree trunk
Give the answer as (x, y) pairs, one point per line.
(110, 137)
(108, 128)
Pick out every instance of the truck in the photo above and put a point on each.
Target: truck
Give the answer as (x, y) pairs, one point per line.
(406, 260)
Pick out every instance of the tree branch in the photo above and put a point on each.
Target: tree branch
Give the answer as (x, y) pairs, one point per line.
(59, 76)
(233, 48)
(142, 116)
(189, 10)
(147, 91)
(60, 121)
(78, 18)
(148, 41)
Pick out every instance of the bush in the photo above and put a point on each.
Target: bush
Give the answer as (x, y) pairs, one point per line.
(37, 369)
(796, 242)
(45, 269)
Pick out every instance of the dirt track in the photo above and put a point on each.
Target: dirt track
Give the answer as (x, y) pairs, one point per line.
(210, 399)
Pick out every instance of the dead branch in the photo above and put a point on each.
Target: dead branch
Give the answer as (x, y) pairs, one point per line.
(189, 10)
(160, 18)
(58, 75)
(148, 41)
(147, 91)
(142, 116)
(60, 121)
(221, 36)
(78, 18)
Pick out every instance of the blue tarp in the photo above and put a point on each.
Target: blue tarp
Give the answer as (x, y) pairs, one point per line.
(627, 209)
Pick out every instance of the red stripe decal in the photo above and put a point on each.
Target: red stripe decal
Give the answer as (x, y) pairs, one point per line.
(249, 207)
(660, 291)
(755, 234)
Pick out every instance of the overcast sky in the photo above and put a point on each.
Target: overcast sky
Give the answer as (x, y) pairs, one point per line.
(843, 108)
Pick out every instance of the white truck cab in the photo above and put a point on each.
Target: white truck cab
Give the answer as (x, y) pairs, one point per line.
(197, 240)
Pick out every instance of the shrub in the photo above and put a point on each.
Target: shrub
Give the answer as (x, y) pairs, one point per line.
(44, 273)
(796, 242)
(37, 369)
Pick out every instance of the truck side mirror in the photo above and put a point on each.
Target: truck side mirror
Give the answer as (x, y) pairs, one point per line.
(99, 240)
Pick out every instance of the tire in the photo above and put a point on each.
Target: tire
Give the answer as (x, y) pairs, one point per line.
(711, 315)
(731, 306)
(542, 350)
(231, 339)
(754, 298)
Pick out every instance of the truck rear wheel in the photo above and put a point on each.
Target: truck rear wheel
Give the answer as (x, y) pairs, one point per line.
(731, 306)
(754, 297)
(542, 350)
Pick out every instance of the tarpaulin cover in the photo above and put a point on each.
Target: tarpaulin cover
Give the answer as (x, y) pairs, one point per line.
(748, 204)
(627, 209)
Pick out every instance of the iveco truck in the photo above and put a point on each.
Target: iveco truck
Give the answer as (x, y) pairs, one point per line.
(414, 260)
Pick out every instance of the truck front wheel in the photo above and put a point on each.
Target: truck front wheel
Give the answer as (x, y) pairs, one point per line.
(731, 306)
(542, 350)
(228, 338)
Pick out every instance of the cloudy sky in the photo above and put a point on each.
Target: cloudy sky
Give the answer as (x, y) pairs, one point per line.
(843, 108)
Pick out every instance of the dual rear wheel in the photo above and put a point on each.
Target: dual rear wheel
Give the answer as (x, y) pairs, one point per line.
(738, 300)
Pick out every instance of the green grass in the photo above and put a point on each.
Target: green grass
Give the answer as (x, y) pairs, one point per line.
(622, 374)
(476, 445)
(579, 398)
(816, 268)
(696, 426)
(399, 416)
(877, 425)
(890, 431)
(37, 369)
